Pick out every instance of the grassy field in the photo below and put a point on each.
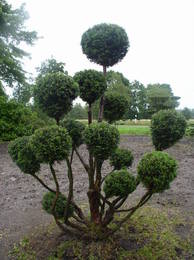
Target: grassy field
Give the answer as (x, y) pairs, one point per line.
(133, 129)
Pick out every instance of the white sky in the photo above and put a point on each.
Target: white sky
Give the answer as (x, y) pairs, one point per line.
(161, 35)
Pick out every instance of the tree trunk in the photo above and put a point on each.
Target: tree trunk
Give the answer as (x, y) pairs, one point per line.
(100, 115)
(90, 114)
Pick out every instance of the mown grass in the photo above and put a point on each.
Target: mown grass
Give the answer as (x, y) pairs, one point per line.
(150, 234)
(133, 130)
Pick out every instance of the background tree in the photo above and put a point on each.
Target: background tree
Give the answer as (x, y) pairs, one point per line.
(160, 97)
(78, 112)
(106, 45)
(12, 34)
(186, 112)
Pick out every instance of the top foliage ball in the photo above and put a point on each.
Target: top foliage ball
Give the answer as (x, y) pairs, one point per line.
(105, 44)
(101, 139)
(156, 170)
(51, 144)
(55, 93)
(92, 85)
(167, 127)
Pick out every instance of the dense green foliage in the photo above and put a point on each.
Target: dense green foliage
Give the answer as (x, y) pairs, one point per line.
(75, 130)
(101, 139)
(55, 93)
(119, 183)
(16, 120)
(23, 155)
(105, 44)
(51, 144)
(121, 158)
(160, 97)
(92, 85)
(156, 171)
(186, 112)
(78, 112)
(115, 106)
(47, 203)
(167, 127)
(12, 34)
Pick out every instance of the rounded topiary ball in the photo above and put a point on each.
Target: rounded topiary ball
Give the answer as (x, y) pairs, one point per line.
(115, 106)
(167, 127)
(92, 85)
(75, 130)
(23, 155)
(101, 139)
(156, 171)
(47, 203)
(119, 183)
(121, 158)
(55, 93)
(105, 44)
(51, 144)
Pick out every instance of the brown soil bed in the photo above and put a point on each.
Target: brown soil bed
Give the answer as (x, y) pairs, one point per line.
(20, 195)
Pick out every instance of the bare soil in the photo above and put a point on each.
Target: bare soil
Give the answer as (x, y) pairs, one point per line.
(20, 195)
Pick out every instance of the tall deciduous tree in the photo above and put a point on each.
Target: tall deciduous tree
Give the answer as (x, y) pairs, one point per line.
(12, 34)
(161, 97)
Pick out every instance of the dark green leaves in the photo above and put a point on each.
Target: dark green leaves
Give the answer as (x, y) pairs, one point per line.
(105, 44)
(119, 183)
(55, 93)
(156, 171)
(92, 85)
(167, 127)
(101, 139)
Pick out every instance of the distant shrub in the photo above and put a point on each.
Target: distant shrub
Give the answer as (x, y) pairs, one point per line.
(47, 203)
(156, 171)
(119, 183)
(121, 158)
(23, 155)
(167, 127)
(101, 139)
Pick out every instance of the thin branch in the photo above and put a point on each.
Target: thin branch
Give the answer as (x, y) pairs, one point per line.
(43, 184)
(70, 195)
(86, 166)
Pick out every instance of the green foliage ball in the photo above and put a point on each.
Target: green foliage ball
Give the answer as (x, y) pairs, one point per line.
(119, 183)
(167, 127)
(23, 155)
(92, 85)
(47, 203)
(105, 44)
(156, 171)
(54, 93)
(121, 158)
(51, 144)
(75, 130)
(101, 139)
(115, 106)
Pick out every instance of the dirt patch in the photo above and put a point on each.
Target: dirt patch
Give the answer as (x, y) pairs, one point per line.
(20, 195)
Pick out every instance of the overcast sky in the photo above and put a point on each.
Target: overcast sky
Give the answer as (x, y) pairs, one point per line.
(161, 35)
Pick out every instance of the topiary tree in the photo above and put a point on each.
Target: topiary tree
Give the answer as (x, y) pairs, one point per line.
(51, 145)
(106, 45)
(167, 127)
(115, 106)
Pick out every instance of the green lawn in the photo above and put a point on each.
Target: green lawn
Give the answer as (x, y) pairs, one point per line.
(134, 130)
